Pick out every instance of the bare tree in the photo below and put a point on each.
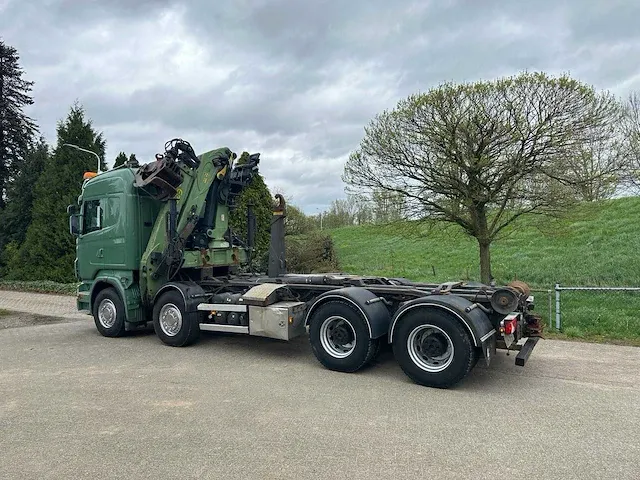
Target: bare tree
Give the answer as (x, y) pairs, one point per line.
(362, 208)
(340, 214)
(388, 206)
(599, 166)
(631, 128)
(483, 154)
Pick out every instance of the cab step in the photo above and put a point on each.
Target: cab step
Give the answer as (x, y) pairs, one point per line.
(215, 327)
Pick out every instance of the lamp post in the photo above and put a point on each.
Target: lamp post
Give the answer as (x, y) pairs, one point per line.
(84, 150)
(320, 213)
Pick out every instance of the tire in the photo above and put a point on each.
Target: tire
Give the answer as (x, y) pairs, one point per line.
(108, 313)
(450, 356)
(172, 324)
(339, 337)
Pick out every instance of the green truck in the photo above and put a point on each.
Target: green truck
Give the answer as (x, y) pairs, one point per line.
(154, 245)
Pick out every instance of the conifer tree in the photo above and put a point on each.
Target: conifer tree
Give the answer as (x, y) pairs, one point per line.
(120, 159)
(16, 216)
(16, 128)
(48, 251)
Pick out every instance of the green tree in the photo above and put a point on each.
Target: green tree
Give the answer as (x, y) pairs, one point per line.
(16, 216)
(297, 223)
(482, 154)
(48, 251)
(132, 158)
(16, 128)
(257, 194)
(120, 159)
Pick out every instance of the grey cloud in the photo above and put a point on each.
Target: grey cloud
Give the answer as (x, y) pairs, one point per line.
(295, 80)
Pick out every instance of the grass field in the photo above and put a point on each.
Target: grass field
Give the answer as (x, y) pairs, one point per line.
(595, 245)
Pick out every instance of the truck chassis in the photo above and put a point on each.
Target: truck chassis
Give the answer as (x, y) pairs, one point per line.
(438, 332)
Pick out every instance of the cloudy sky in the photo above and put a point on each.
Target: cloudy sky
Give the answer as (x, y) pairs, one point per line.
(295, 80)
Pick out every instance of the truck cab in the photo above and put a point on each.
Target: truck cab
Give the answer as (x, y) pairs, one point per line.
(112, 223)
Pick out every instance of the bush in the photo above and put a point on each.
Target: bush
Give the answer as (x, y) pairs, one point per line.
(311, 253)
(39, 286)
(297, 222)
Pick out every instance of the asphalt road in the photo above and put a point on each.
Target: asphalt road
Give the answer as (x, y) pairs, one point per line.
(76, 405)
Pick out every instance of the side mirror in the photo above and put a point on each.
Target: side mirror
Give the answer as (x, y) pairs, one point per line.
(74, 225)
(74, 220)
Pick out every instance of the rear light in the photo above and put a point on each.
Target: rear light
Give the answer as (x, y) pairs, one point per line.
(509, 324)
(510, 327)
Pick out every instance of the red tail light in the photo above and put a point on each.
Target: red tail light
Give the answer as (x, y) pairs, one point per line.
(509, 325)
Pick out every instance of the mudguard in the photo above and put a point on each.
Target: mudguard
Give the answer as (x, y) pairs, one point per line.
(192, 294)
(370, 306)
(128, 290)
(476, 321)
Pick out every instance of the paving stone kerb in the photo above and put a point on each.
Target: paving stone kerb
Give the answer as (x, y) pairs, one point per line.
(40, 304)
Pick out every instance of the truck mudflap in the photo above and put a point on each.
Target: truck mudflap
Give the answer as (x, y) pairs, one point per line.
(489, 349)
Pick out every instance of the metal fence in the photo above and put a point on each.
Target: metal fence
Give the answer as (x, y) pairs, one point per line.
(612, 306)
(549, 293)
(608, 308)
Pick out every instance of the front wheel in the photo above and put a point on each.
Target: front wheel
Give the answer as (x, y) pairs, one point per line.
(339, 337)
(108, 313)
(433, 348)
(172, 324)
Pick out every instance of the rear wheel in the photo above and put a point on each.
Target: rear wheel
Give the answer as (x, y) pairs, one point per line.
(339, 337)
(172, 324)
(433, 348)
(108, 313)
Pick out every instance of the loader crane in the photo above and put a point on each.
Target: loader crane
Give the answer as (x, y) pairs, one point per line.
(154, 245)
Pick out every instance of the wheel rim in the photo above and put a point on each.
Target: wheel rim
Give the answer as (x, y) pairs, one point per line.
(107, 313)
(338, 337)
(430, 348)
(170, 320)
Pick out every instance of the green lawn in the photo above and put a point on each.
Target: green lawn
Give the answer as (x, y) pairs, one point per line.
(595, 245)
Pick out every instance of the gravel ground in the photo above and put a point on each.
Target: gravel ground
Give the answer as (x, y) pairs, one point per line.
(19, 319)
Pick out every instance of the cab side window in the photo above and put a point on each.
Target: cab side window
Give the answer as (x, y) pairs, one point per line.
(92, 216)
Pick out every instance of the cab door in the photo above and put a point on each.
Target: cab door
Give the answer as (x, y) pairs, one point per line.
(101, 242)
(90, 251)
